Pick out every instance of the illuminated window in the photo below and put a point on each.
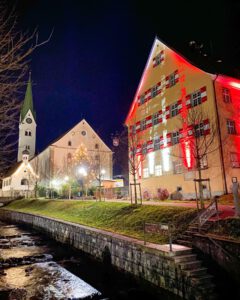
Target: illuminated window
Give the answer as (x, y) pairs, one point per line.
(154, 91)
(175, 137)
(196, 98)
(231, 127)
(155, 118)
(144, 148)
(235, 159)
(199, 130)
(143, 124)
(145, 173)
(177, 167)
(133, 129)
(172, 80)
(158, 170)
(156, 143)
(174, 109)
(226, 95)
(69, 143)
(142, 99)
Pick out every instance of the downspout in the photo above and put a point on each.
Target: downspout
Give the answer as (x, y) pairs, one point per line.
(220, 138)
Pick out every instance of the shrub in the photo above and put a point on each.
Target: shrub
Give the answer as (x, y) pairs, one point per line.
(162, 194)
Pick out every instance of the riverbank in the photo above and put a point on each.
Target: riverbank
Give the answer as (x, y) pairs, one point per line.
(177, 271)
(119, 218)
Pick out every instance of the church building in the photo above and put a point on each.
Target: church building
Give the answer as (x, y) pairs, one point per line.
(76, 155)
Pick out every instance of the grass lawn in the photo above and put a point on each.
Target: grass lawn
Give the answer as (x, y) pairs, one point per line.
(121, 218)
(228, 228)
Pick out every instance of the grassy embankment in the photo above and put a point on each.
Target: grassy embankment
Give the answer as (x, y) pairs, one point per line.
(115, 217)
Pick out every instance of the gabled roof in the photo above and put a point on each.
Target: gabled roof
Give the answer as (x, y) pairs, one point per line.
(180, 57)
(82, 121)
(13, 169)
(28, 101)
(62, 135)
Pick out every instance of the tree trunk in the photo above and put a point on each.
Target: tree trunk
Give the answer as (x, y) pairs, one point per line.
(200, 187)
(135, 188)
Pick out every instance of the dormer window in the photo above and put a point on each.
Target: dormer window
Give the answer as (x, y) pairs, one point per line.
(69, 143)
(226, 95)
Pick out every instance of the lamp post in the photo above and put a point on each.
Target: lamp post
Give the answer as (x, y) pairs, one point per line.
(66, 179)
(83, 173)
(102, 173)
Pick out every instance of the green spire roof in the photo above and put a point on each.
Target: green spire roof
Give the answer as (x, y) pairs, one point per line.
(28, 100)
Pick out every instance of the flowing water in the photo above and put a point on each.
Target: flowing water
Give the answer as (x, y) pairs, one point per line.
(34, 267)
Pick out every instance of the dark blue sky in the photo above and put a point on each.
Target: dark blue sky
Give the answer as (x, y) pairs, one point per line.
(93, 63)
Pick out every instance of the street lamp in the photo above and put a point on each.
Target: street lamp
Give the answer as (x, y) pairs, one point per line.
(66, 179)
(83, 172)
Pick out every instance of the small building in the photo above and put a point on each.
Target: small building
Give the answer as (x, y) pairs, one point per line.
(170, 91)
(20, 180)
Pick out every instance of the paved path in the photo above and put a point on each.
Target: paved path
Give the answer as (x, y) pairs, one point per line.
(225, 210)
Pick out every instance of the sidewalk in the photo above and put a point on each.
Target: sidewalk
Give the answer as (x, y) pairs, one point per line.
(225, 210)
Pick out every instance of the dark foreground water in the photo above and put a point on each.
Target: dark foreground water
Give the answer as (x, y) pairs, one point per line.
(34, 267)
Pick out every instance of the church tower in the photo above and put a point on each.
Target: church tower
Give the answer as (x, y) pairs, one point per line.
(27, 124)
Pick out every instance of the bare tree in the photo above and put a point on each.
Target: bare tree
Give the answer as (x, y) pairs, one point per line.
(100, 159)
(15, 50)
(198, 138)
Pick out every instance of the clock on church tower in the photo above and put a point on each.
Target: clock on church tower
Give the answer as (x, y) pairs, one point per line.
(29, 120)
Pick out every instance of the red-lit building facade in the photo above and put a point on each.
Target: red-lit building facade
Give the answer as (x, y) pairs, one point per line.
(169, 91)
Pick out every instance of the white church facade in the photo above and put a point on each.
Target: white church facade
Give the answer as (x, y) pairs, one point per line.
(59, 160)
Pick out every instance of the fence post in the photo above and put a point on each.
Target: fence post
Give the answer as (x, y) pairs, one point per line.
(144, 233)
(170, 237)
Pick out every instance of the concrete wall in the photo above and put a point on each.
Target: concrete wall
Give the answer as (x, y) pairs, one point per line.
(224, 252)
(147, 262)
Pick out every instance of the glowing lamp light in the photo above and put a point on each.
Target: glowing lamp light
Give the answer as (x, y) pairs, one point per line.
(188, 156)
(235, 84)
(151, 162)
(82, 171)
(103, 171)
(66, 178)
(139, 164)
(166, 159)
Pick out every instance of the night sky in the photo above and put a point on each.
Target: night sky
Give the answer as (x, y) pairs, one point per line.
(92, 65)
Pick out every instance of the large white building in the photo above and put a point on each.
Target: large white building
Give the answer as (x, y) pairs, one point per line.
(58, 160)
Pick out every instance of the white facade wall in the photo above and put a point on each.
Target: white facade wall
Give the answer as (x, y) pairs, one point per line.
(27, 141)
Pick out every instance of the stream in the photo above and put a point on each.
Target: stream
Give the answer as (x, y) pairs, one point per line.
(34, 267)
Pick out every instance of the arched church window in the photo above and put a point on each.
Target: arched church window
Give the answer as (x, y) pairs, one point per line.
(69, 157)
(24, 181)
(28, 133)
(69, 143)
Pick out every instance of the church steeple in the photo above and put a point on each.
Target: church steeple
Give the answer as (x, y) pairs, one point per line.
(27, 124)
(28, 101)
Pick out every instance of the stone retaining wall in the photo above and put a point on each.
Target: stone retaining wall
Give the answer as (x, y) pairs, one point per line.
(153, 263)
(224, 252)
